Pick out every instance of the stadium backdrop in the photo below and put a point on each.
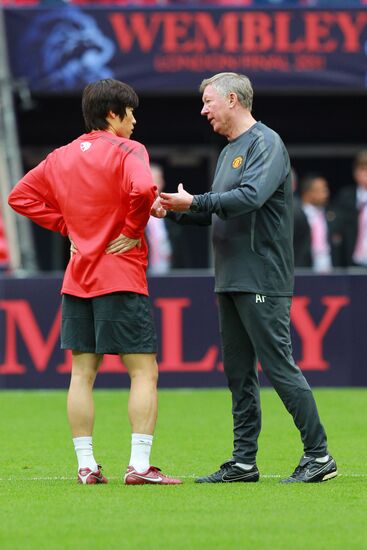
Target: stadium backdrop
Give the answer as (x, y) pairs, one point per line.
(328, 328)
(172, 50)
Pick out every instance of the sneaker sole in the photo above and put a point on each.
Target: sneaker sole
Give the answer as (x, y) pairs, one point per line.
(130, 483)
(99, 482)
(330, 476)
(254, 480)
(140, 481)
(326, 477)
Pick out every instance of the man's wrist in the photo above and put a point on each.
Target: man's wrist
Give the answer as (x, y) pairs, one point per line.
(194, 206)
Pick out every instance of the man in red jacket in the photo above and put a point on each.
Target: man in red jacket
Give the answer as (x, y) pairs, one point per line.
(98, 190)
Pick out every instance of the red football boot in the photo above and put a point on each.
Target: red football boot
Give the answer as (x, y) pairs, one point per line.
(87, 477)
(152, 476)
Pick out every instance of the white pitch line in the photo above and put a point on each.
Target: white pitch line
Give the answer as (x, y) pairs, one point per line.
(192, 476)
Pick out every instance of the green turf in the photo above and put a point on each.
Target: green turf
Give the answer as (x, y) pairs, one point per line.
(41, 506)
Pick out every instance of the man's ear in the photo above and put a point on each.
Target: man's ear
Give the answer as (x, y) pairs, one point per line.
(232, 97)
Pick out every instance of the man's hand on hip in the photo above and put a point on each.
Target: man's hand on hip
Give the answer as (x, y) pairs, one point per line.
(122, 244)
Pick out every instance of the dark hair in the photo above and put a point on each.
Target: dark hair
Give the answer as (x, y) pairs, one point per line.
(103, 96)
(307, 182)
(360, 159)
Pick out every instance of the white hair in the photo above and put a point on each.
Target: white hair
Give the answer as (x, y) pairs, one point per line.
(225, 83)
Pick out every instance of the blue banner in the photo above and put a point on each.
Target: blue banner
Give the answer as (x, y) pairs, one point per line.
(172, 50)
(327, 323)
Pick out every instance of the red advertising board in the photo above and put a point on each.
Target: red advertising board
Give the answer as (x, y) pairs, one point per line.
(327, 323)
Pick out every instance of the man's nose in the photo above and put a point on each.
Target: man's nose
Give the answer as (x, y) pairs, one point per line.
(204, 110)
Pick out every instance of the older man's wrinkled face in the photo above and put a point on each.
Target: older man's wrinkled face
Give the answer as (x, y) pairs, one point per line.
(216, 108)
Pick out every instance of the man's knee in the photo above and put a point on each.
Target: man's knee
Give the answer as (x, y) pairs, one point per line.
(147, 372)
(85, 366)
(142, 366)
(84, 376)
(151, 376)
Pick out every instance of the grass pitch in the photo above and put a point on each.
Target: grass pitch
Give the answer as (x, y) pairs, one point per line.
(42, 507)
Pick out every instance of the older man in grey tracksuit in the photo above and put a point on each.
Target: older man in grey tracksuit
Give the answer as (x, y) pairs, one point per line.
(250, 208)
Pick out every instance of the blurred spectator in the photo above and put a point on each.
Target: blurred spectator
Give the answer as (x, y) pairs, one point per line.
(302, 232)
(4, 250)
(181, 237)
(20, 3)
(313, 231)
(275, 3)
(210, 3)
(169, 243)
(351, 207)
(160, 250)
(132, 3)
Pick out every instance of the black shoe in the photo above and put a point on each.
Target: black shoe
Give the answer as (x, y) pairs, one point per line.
(228, 472)
(310, 471)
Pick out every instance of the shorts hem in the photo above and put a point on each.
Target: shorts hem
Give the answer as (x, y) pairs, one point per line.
(125, 352)
(107, 352)
(84, 350)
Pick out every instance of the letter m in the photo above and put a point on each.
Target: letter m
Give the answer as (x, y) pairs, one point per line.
(19, 315)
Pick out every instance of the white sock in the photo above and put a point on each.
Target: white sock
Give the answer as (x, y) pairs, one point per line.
(84, 452)
(141, 445)
(244, 466)
(323, 459)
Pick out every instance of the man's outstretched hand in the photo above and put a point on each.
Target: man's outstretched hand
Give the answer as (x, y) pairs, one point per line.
(157, 209)
(178, 202)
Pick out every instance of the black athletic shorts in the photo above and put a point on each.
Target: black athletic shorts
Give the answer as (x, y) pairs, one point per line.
(120, 322)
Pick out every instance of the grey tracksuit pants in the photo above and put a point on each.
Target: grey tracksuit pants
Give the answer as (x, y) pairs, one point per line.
(256, 328)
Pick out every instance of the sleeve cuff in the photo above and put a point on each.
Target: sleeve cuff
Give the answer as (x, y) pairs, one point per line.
(194, 207)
